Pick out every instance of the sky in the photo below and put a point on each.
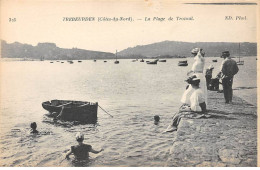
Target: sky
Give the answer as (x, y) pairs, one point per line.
(42, 21)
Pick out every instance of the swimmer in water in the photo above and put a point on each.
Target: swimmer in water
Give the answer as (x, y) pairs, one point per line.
(156, 119)
(33, 128)
(81, 151)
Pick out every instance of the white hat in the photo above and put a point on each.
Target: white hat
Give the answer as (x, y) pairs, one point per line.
(79, 136)
(195, 51)
(211, 67)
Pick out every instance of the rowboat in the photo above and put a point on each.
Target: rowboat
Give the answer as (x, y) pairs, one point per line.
(73, 110)
(183, 63)
(214, 60)
(152, 62)
(162, 60)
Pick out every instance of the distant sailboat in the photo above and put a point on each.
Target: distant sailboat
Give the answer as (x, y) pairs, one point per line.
(239, 62)
(116, 62)
(42, 58)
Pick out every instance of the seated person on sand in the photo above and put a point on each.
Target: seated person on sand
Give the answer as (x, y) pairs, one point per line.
(81, 151)
(33, 128)
(196, 105)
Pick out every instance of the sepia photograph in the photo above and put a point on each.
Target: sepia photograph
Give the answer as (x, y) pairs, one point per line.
(152, 83)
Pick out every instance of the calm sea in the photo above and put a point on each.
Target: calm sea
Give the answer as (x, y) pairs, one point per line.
(133, 92)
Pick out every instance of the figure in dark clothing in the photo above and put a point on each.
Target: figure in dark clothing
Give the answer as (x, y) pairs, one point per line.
(156, 119)
(208, 76)
(33, 128)
(81, 151)
(228, 69)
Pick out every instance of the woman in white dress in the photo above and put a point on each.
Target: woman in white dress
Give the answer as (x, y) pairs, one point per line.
(197, 69)
(195, 108)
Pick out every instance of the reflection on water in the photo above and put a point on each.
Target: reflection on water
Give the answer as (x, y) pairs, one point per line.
(133, 92)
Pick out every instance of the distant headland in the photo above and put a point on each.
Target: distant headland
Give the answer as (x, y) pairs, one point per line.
(164, 49)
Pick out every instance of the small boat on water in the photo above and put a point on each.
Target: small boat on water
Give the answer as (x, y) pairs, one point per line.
(183, 63)
(240, 62)
(79, 61)
(162, 60)
(73, 110)
(62, 62)
(152, 62)
(142, 60)
(94, 60)
(51, 62)
(116, 62)
(215, 61)
(105, 61)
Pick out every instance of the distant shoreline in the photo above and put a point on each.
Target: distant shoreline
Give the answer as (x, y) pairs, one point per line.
(151, 58)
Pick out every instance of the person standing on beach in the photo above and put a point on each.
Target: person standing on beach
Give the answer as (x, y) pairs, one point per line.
(208, 75)
(197, 70)
(228, 69)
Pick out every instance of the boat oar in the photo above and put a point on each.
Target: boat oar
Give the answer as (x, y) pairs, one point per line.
(105, 111)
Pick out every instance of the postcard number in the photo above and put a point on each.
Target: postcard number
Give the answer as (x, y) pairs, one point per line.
(12, 19)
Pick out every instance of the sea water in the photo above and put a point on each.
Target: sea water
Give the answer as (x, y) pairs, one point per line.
(133, 92)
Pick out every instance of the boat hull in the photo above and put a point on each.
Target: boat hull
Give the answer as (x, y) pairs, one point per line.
(73, 110)
(182, 64)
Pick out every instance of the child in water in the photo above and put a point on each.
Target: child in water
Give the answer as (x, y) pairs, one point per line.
(156, 119)
(33, 128)
(81, 151)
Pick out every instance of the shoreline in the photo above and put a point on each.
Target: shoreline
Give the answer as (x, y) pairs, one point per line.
(228, 138)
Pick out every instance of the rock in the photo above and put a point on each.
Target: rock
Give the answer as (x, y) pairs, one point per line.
(229, 156)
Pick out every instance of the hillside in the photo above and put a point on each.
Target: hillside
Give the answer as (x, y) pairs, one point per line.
(49, 51)
(175, 48)
(165, 49)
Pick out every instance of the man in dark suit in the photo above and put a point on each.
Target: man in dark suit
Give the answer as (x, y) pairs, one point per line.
(228, 69)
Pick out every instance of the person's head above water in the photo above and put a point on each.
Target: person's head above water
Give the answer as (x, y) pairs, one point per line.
(156, 118)
(79, 137)
(33, 125)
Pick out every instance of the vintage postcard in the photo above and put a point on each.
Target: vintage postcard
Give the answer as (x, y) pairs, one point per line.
(152, 83)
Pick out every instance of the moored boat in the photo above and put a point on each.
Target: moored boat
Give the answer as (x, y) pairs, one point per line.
(116, 62)
(215, 61)
(240, 62)
(142, 60)
(152, 62)
(73, 110)
(162, 60)
(183, 63)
